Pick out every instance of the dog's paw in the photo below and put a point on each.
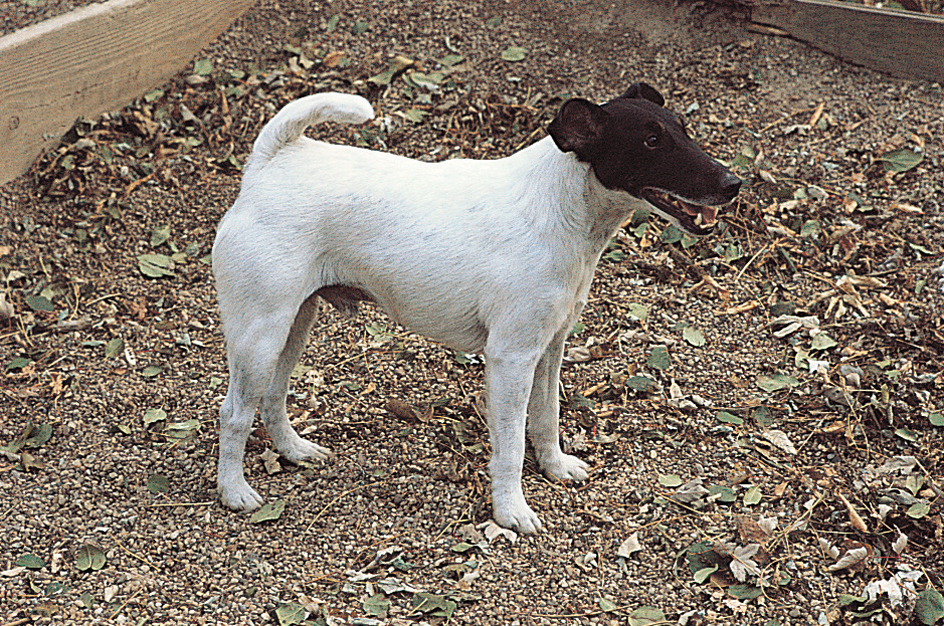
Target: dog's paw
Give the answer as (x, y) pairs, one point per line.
(303, 450)
(239, 496)
(566, 467)
(516, 515)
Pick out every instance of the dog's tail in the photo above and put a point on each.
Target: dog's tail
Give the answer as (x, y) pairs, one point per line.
(289, 123)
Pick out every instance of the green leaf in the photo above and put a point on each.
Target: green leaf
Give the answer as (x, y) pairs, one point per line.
(438, 606)
(641, 383)
(333, 22)
(30, 561)
(17, 363)
(291, 613)
(155, 265)
(776, 382)
(670, 480)
(724, 494)
(728, 418)
(38, 435)
(703, 574)
(151, 96)
(906, 434)
(762, 416)
(900, 160)
(461, 547)
(154, 415)
(638, 312)
(646, 616)
(659, 358)
(918, 510)
(822, 341)
(89, 557)
(811, 228)
(158, 483)
(929, 607)
(159, 235)
(733, 252)
(151, 371)
(937, 419)
(360, 28)
(606, 605)
(415, 115)
(202, 67)
(451, 59)
(40, 303)
(514, 54)
(693, 336)
(268, 512)
(744, 592)
(114, 347)
(753, 496)
(377, 605)
(671, 234)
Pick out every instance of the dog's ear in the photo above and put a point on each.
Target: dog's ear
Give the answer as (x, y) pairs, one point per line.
(577, 126)
(642, 90)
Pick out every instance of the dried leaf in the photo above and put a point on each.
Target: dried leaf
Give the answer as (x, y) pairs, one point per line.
(492, 531)
(780, 439)
(854, 518)
(629, 546)
(850, 558)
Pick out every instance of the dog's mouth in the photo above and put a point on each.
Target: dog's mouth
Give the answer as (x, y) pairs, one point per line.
(695, 219)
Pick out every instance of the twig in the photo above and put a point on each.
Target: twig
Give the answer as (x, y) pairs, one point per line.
(140, 558)
(126, 603)
(333, 502)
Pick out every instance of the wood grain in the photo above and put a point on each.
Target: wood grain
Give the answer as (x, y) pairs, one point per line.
(94, 59)
(900, 43)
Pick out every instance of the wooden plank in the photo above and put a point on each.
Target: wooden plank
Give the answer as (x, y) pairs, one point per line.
(900, 43)
(94, 59)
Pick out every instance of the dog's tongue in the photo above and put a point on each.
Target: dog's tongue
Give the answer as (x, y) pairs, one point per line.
(709, 214)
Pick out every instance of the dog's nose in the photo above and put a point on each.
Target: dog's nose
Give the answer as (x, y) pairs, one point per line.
(730, 185)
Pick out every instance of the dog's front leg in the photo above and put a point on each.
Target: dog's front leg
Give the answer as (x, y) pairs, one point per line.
(508, 379)
(544, 412)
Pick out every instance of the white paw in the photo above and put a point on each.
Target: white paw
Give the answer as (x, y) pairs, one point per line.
(238, 495)
(303, 450)
(565, 467)
(514, 513)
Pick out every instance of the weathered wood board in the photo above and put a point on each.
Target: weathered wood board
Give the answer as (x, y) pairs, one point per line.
(94, 59)
(900, 43)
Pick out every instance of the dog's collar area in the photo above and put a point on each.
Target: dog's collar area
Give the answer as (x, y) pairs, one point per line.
(695, 219)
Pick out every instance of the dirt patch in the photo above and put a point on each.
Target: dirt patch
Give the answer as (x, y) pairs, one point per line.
(761, 408)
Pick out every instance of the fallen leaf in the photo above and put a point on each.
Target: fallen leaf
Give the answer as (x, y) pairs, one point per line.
(514, 53)
(268, 512)
(850, 558)
(630, 545)
(780, 439)
(492, 531)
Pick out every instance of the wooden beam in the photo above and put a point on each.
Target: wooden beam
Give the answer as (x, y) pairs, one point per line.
(94, 59)
(900, 43)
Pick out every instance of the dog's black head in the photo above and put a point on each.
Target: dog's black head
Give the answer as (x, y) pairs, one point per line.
(634, 144)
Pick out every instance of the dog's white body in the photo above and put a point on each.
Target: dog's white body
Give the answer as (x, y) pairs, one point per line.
(484, 256)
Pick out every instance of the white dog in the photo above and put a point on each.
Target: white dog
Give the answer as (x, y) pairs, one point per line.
(484, 256)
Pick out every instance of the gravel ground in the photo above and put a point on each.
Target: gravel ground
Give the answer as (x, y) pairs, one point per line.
(745, 471)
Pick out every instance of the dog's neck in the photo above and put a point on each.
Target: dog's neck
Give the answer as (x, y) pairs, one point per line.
(567, 199)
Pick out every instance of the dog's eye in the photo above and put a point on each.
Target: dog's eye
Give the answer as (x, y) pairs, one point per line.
(652, 141)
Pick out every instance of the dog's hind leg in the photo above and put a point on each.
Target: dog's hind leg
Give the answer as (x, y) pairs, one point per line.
(285, 439)
(544, 412)
(253, 354)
